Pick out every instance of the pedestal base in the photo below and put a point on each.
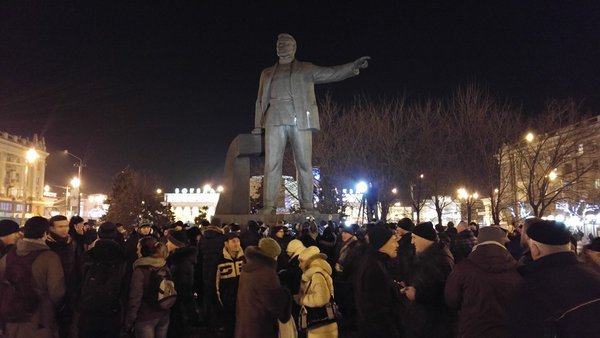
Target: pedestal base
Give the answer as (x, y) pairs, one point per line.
(273, 219)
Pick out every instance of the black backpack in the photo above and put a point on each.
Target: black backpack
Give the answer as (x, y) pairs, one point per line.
(18, 298)
(101, 286)
(161, 288)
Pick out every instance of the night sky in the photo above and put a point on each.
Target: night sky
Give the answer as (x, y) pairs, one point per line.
(164, 86)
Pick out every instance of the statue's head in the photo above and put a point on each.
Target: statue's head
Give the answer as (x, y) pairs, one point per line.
(286, 46)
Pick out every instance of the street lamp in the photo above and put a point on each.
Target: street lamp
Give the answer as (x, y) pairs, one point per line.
(469, 199)
(76, 184)
(159, 191)
(79, 166)
(529, 137)
(30, 157)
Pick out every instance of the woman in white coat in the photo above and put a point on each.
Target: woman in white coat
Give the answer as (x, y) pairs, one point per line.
(316, 288)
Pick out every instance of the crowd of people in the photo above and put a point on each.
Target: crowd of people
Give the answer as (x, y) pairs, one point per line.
(61, 277)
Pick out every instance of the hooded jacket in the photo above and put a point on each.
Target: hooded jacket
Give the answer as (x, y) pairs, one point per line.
(138, 309)
(261, 300)
(211, 249)
(316, 289)
(482, 288)
(49, 284)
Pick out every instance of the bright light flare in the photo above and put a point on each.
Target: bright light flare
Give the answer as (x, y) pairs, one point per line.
(75, 183)
(529, 137)
(32, 155)
(361, 187)
(220, 189)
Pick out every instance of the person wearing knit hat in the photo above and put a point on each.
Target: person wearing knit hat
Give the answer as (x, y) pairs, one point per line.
(423, 236)
(9, 234)
(107, 230)
(406, 224)
(177, 239)
(424, 288)
(557, 288)
(482, 286)
(261, 300)
(382, 239)
(36, 227)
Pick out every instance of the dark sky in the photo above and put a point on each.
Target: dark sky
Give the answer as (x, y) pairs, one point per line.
(165, 85)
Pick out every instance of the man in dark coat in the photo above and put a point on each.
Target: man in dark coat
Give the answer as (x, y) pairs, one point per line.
(425, 288)
(181, 262)
(463, 243)
(228, 274)
(106, 252)
(250, 236)
(406, 250)
(560, 296)
(210, 252)
(261, 300)
(9, 234)
(482, 287)
(376, 292)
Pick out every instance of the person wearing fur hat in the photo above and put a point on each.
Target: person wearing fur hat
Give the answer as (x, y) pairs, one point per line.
(182, 261)
(47, 286)
(425, 287)
(291, 277)
(229, 269)
(9, 234)
(560, 296)
(316, 288)
(482, 287)
(261, 300)
(376, 292)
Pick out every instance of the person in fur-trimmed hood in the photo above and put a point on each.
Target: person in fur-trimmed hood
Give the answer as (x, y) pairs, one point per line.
(316, 288)
(261, 300)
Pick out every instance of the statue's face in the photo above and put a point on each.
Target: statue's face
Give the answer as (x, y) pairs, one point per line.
(286, 48)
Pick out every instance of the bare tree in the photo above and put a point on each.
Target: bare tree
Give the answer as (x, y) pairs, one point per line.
(550, 165)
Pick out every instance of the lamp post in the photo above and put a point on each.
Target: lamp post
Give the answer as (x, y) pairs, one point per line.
(469, 199)
(30, 157)
(79, 166)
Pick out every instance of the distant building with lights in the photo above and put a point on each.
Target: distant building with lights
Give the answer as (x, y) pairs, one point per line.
(577, 206)
(187, 204)
(21, 176)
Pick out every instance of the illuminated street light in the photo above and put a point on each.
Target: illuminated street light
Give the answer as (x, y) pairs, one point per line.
(159, 191)
(206, 188)
(32, 155)
(361, 187)
(46, 188)
(79, 166)
(75, 182)
(421, 176)
(529, 137)
(220, 189)
(553, 175)
(394, 191)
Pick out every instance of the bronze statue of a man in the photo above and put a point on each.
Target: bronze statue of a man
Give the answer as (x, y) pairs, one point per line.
(286, 108)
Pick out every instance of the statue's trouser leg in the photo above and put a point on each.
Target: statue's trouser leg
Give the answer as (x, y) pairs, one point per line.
(301, 141)
(275, 141)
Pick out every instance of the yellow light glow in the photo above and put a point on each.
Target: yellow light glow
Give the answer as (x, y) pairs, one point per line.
(220, 189)
(422, 176)
(553, 175)
(75, 182)
(159, 191)
(32, 155)
(46, 188)
(475, 195)
(462, 193)
(529, 137)
(206, 188)
(394, 191)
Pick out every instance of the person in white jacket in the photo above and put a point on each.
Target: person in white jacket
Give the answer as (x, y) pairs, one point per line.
(316, 288)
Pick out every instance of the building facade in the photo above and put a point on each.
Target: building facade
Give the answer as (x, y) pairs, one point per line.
(22, 170)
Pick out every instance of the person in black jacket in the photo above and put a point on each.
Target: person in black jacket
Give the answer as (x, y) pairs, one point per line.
(210, 252)
(228, 273)
(377, 297)
(9, 234)
(560, 296)
(94, 320)
(250, 236)
(425, 287)
(181, 262)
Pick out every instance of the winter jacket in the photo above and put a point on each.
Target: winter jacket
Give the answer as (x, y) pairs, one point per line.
(49, 284)
(316, 290)
(4, 249)
(559, 298)
(377, 297)
(481, 288)
(182, 262)
(400, 266)
(138, 306)
(261, 300)
(428, 275)
(249, 238)
(342, 251)
(228, 274)
(282, 259)
(106, 250)
(462, 245)
(211, 250)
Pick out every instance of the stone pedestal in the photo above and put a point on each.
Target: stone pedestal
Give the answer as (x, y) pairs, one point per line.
(273, 219)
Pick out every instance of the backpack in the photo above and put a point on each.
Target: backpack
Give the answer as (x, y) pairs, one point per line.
(18, 298)
(161, 288)
(101, 286)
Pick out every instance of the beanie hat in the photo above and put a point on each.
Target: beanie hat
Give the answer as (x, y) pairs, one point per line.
(276, 229)
(35, 227)
(549, 232)
(349, 229)
(231, 235)
(406, 224)
(269, 247)
(179, 238)
(425, 231)
(193, 232)
(491, 233)
(8, 227)
(294, 247)
(308, 253)
(107, 230)
(378, 236)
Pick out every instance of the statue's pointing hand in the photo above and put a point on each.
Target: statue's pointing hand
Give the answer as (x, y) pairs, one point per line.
(362, 63)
